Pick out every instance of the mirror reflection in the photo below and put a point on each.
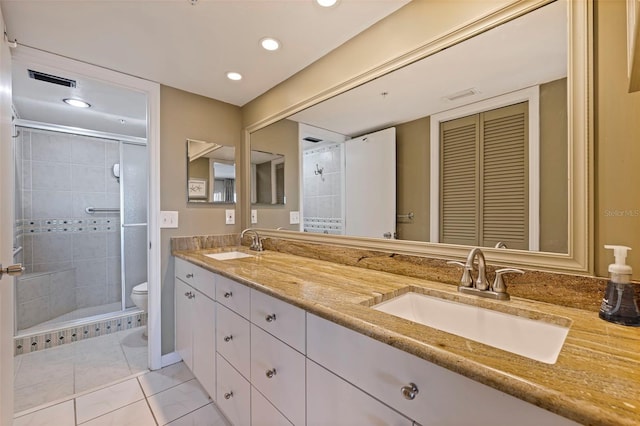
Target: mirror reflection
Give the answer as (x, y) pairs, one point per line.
(267, 178)
(211, 172)
(468, 146)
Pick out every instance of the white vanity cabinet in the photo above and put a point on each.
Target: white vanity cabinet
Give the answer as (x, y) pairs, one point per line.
(234, 393)
(195, 322)
(420, 390)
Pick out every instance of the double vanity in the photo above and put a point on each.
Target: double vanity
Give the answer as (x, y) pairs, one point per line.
(276, 338)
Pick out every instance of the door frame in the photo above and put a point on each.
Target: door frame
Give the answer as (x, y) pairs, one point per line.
(152, 91)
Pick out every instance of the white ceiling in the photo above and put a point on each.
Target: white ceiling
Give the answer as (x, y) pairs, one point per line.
(521, 53)
(192, 47)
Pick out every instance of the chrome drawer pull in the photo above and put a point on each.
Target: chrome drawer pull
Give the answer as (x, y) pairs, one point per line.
(228, 338)
(189, 275)
(409, 392)
(228, 294)
(271, 373)
(228, 395)
(271, 318)
(187, 294)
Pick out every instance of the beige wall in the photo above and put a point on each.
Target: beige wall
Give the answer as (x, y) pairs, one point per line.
(280, 138)
(617, 141)
(554, 235)
(412, 178)
(185, 115)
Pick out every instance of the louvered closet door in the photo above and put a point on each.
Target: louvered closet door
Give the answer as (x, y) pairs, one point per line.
(459, 168)
(504, 172)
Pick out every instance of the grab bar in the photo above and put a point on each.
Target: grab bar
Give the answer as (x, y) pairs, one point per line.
(92, 210)
(406, 216)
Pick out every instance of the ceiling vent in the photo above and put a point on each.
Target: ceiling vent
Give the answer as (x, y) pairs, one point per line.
(462, 94)
(53, 79)
(312, 139)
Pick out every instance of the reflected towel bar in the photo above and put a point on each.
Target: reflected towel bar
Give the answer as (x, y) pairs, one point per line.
(91, 210)
(406, 216)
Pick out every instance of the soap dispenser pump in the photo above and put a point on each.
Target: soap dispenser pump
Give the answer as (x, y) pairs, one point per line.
(621, 297)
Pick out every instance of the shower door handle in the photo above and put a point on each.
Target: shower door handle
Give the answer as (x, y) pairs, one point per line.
(131, 225)
(12, 271)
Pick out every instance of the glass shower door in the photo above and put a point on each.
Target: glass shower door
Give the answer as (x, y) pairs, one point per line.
(134, 196)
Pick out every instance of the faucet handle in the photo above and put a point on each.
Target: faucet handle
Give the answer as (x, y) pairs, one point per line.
(467, 279)
(498, 284)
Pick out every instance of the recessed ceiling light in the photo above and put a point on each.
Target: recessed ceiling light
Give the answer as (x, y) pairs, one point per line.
(327, 3)
(234, 76)
(269, 43)
(76, 103)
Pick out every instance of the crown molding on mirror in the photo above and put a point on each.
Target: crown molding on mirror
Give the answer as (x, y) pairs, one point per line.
(579, 258)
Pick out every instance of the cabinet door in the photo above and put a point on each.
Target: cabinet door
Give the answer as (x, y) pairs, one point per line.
(184, 326)
(204, 343)
(233, 339)
(332, 401)
(278, 372)
(234, 394)
(265, 414)
(285, 321)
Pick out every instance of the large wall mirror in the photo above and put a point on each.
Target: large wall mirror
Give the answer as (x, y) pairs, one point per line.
(211, 173)
(483, 143)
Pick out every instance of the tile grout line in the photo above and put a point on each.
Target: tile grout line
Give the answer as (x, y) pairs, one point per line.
(146, 400)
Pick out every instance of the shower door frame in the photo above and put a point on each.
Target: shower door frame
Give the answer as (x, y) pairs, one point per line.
(152, 91)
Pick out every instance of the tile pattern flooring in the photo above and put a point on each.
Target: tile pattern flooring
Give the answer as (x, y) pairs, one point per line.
(104, 381)
(170, 396)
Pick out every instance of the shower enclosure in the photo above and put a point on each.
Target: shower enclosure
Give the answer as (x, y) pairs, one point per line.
(81, 225)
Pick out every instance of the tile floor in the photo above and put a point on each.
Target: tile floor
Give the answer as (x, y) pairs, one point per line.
(57, 373)
(168, 396)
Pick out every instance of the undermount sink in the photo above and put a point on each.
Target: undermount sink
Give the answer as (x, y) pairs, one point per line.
(532, 338)
(228, 255)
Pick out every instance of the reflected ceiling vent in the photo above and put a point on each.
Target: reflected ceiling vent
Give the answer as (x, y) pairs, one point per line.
(312, 139)
(462, 94)
(53, 79)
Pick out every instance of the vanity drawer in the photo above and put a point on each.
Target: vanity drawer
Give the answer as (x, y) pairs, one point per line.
(234, 392)
(285, 321)
(383, 371)
(197, 277)
(265, 414)
(233, 295)
(233, 339)
(333, 401)
(278, 372)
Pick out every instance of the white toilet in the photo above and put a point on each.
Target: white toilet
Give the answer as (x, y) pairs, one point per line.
(140, 297)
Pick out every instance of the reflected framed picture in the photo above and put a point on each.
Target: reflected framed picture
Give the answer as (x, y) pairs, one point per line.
(197, 188)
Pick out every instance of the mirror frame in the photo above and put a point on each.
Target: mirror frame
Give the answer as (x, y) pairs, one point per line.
(579, 258)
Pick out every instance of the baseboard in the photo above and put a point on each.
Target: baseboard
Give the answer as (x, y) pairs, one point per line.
(170, 358)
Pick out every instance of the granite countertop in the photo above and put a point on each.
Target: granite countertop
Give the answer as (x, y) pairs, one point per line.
(595, 381)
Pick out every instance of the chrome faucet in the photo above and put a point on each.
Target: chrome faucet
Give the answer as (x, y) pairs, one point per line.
(256, 242)
(481, 285)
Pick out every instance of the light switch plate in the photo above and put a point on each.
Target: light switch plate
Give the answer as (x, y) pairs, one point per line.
(254, 216)
(230, 217)
(168, 219)
(294, 218)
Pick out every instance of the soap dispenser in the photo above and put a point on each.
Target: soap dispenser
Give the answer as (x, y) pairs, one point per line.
(621, 297)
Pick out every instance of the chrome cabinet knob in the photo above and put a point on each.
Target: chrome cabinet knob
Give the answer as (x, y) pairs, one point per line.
(228, 395)
(271, 373)
(270, 318)
(189, 275)
(409, 392)
(228, 338)
(228, 294)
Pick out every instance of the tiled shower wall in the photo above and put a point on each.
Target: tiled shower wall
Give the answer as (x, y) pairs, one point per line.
(324, 192)
(58, 176)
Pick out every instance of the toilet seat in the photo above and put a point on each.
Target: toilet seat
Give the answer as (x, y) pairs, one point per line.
(140, 289)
